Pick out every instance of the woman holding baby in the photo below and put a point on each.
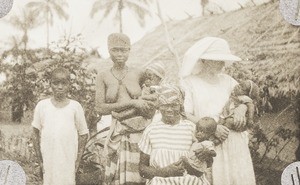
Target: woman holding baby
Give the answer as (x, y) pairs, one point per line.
(117, 90)
(207, 91)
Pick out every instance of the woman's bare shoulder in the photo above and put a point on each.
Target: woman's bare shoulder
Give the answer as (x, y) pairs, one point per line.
(104, 75)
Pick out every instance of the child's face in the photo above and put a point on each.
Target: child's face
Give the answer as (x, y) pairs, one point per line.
(151, 79)
(205, 127)
(60, 85)
(202, 136)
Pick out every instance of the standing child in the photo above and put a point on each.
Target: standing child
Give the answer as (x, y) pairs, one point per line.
(60, 132)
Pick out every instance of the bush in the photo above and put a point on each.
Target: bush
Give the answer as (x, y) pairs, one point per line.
(28, 73)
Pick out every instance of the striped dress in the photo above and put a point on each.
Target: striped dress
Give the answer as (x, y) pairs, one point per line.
(166, 144)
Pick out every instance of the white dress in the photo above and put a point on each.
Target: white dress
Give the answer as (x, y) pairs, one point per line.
(59, 128)
(233, 163)
(166, 144)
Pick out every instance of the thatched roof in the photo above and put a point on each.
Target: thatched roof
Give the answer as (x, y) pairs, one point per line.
(268, 45)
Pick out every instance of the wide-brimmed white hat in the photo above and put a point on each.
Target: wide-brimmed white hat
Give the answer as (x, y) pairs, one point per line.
(208, 48)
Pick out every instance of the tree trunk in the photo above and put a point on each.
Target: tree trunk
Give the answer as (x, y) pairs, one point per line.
(47, 24)
(297, 16)
(120, 8)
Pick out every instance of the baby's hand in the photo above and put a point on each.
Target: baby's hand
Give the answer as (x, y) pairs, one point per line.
(115, 115)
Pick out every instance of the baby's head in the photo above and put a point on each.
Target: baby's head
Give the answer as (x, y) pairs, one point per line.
(205, 127)
(248, 88)
(154, 74)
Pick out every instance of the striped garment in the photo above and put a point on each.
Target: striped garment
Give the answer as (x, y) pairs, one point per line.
(122, 165)
(166, 144)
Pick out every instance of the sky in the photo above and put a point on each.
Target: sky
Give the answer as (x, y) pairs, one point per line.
(94, 33)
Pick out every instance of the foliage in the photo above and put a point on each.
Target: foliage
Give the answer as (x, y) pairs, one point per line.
(116, 7)
(24, 22)
(46, 9)
(28, 74)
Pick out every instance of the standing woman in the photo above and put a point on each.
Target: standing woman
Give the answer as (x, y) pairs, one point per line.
(207, 91)
(117, 89)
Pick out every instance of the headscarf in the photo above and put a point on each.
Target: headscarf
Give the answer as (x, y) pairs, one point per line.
(158, 68)
(118, 40)
(170, 94)
(209, 48)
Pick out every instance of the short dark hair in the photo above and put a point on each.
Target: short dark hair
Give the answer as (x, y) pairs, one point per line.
(60, 70)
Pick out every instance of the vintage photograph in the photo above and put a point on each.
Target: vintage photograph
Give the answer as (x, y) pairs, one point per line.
(152, 92)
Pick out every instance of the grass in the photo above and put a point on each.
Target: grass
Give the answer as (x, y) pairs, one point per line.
(15, 145)
(265, 173)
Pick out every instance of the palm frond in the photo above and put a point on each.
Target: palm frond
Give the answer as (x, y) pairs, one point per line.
(32, 20)
(139, 9)
(40, 4)
(16, 22)
(100, 5)
(109, 11)
(141, 6)
(62, 14)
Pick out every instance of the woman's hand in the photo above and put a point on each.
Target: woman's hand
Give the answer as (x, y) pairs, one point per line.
(222, 132)
(239, 116)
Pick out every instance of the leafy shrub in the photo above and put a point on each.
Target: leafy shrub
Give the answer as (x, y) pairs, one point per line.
(28, 73)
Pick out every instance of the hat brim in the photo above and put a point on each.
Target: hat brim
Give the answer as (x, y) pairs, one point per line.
(221, 57)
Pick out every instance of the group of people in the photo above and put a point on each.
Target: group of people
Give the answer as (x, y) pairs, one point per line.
(194, 132)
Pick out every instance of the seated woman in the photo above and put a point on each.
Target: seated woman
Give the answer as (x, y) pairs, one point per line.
(164, 143)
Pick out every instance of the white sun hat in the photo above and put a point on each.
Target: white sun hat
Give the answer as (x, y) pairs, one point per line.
(208, 48)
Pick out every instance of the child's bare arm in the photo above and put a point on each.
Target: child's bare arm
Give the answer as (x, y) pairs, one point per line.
(82, 140)
(36, 144)
(36, 139)
(125, 114)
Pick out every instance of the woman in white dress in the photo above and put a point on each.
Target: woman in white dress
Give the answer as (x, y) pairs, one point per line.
(207, 90)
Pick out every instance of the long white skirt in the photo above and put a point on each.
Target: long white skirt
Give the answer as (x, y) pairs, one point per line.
(233, 163)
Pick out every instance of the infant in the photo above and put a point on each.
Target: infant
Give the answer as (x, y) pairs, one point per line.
(247, 92)
(202, 151)
(151, 79)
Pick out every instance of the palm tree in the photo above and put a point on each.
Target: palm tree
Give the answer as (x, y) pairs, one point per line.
(24, 22)
(116, 7)
(46, 9)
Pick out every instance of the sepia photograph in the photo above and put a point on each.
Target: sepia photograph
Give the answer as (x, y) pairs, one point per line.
(149, 92)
